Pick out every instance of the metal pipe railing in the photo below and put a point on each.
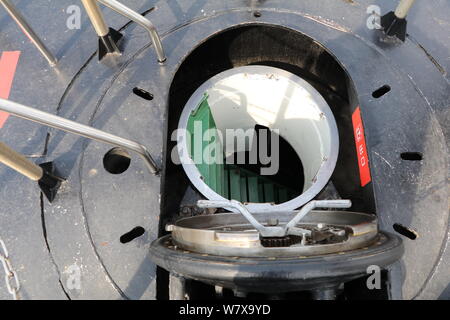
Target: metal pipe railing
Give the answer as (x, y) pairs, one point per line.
(143, 22)
(403, 8)
(20, 163)
(96, 16)
(98, 21)
(60, 123)
(101, 28)
(26, 28)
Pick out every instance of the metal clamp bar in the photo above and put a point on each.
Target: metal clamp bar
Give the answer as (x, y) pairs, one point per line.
(233, 204)
(139, 19)
(60, 123)
(275, 231)
(26, 28)
(316, 204)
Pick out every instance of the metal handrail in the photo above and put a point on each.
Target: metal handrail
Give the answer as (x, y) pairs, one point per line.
(60, 123)
(142, 21)
(403, 8)
(26, 28)
(96, 19)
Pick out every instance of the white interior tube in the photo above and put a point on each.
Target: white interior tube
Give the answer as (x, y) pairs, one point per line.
(243, 97)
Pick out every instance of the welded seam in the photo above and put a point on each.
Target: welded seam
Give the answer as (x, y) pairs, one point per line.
(91, 240)
(432, 59)
(44, 233)
(438, 262)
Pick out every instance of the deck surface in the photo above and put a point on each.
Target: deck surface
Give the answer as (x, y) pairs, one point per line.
(82, 228)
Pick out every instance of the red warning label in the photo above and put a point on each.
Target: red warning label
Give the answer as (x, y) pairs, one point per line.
(8, 64)
(361, 149)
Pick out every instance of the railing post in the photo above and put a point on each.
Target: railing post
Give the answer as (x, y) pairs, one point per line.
(394, 23)
(44, 174)
(142, 21)
(107, 37)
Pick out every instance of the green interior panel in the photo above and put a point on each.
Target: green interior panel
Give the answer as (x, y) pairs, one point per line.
(235, 184)
(199, 124)
(253, 190)
(244, 197)
(228, 180)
